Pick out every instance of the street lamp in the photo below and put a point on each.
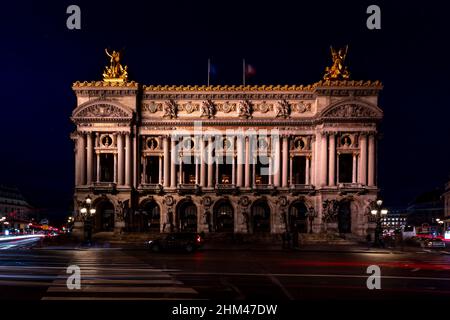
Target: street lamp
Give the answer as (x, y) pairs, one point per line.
(441, 225)
(378, 212)
(87, 213)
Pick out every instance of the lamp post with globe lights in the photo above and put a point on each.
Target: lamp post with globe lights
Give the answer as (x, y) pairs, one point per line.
(441, 225)
(378, 212)
(87, 212)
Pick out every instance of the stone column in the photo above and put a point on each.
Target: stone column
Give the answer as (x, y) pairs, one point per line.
(255, 161)
(120, 158)
(210, 163)
(197, 174)
(144, 169)
(80, 160)
(98, 167)
(128, 161)
(180, 177)
(233, 170)
(217, 170)
(323, 160)
(291, 182)
(276, 164)
(317, 160)
(371, 176)
(166, 161)
(115, 168)
(332, 159)
(307, 177)
(355, 163)
(160, 170)
(363, 159)
(285, 162)
(240, 160)
(202, 163)
(247, 162)
(270, 177)
(313, 159)
(90, 159)
(134, 168)
(173, 161)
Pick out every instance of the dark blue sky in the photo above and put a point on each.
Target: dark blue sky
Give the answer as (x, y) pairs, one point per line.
(170, 44)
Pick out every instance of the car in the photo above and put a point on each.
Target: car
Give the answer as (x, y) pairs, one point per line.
(186, 241)
(434, 243)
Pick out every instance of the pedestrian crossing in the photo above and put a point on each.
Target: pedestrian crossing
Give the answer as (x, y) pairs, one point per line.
(114, 275)
(105, 274)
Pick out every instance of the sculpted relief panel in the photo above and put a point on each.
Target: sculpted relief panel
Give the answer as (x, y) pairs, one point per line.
(102, 110)
(351, 110)
(217, 109)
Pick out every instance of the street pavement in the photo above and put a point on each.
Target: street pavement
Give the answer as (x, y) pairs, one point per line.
(218, 272)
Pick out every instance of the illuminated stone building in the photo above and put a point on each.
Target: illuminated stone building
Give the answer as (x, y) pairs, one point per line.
(242, 159)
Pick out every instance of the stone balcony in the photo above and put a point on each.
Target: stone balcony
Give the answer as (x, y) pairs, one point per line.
(263, 188)
(104, 187)
(188, 188)
(301, 188)
(224, 188)
(351, 187)
(151, 188)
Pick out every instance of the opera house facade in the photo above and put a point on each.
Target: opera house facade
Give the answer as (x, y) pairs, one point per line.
(238, 159)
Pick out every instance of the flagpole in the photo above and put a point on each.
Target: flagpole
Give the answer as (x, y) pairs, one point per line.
(243, 71)
(209, 69)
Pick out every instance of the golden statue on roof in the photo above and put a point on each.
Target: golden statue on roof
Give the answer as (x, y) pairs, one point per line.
(337, 71)
(115, 71)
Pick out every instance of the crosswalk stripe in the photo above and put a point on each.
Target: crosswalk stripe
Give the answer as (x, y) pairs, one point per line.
(130, 279)
(106, 289)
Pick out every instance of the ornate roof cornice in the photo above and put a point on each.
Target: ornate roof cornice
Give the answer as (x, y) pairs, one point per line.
(105, 84)
(261, 88)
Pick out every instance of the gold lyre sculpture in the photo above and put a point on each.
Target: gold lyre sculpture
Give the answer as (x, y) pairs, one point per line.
(115, 71)
(337, 71)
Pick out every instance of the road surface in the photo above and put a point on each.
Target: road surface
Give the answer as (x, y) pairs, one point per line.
(126, 274)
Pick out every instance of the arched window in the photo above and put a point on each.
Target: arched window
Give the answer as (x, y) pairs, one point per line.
(223, 217)
(261, 217)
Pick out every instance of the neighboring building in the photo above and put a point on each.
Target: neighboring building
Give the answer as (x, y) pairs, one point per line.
(14, 209)
(446, 199)
(13, 204)
(395, 219)
(143, 158)
(426, 208)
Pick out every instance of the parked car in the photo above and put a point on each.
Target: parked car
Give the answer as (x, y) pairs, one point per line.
(188, 242)
(434, 243)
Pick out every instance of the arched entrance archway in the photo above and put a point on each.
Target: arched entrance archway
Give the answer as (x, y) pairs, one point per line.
(260, 217)
(223, 216)
(150, 216)
(298, 218)
(345, 217)
(187, 216)
(104, 216)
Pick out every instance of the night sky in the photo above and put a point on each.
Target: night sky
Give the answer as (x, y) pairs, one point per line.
(170, 44)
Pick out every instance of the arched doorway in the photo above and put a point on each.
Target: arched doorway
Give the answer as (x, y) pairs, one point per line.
(187, 217)
(150, 216)
(260, 217)
(345, 217)
(223, 216)
(298, 218)
(104, 217)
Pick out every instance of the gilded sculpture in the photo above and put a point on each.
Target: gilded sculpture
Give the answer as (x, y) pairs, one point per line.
(337, 71)
(115, 72)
